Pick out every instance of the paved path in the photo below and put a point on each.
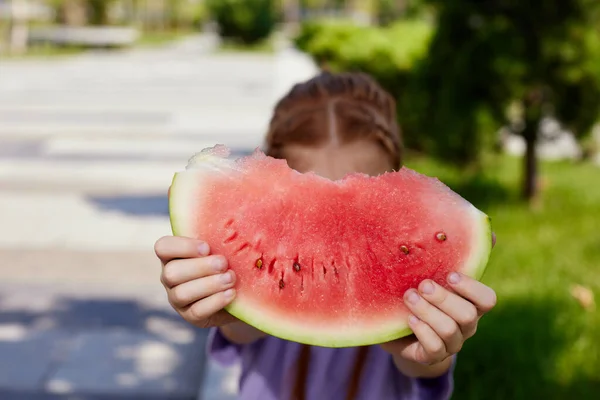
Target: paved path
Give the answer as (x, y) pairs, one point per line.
(88, 146)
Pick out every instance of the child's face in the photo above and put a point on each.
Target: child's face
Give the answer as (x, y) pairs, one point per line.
(334, 162)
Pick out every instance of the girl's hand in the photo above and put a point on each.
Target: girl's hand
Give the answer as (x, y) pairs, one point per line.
(441, 319)
(198, 285)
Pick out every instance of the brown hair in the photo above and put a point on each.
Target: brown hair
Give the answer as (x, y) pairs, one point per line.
(334, 109)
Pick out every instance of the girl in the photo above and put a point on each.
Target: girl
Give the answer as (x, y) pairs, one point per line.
(332, 125)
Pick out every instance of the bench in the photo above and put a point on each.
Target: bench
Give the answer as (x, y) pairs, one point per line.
(87, 36)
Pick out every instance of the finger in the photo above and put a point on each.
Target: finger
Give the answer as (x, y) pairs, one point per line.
(399, 345)
(177, 272)
(482, 296)
(183, 295)
(201, 312)
(442, 324)
(493, 239)
(460, 310)
(430, 348)
(221, 317)
(168, 248)
(406, 346)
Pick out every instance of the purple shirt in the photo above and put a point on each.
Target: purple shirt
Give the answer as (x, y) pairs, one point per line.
(268, 372)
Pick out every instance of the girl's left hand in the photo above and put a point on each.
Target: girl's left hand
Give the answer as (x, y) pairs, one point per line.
(441, 319)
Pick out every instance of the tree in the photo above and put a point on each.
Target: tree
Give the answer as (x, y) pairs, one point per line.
(99, 11)
(244, 21)
(489, 54)
(69, 12)
(82, 12)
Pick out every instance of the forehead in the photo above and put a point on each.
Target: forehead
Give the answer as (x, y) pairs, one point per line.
(334, 162)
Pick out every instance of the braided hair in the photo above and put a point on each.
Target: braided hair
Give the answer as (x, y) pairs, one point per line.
(335, 109)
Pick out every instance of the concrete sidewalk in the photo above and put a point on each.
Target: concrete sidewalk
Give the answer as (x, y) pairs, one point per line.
(97, 325)
(88, 146)
(86, 341)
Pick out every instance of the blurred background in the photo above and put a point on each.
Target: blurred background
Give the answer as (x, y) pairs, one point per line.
(102, 101)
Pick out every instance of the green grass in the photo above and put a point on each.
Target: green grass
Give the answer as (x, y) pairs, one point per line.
(265, 46)
(45, 51)
(162, 37)
(538, 343)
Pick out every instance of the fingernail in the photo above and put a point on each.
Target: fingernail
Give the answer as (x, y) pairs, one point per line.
(219, 264)
(203, 249)
(412, 296)
(229, 293)
(427, 287)
(226, 278)
(413, 320)
(453, 278)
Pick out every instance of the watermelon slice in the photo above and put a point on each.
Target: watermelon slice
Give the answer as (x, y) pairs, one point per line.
(325, 262)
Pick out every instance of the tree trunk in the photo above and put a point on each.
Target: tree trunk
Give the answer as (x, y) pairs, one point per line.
(99, 11)
(19, 29)
(172, 13)
(530, 172)
(533, 104)
(138, 12)
(533, 116)
(72, 13)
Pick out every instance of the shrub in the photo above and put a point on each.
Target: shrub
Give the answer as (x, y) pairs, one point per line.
(243, 21)
(390, 54)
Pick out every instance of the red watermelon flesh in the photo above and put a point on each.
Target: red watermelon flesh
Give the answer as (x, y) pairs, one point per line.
(326, 262)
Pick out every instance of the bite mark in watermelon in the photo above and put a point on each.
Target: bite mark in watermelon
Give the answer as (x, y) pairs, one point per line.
(326, 262)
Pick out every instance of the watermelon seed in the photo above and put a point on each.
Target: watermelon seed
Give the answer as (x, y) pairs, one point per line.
(441, 236)
(296, 267)
(259, 263)
(281, 284)
(404, 249)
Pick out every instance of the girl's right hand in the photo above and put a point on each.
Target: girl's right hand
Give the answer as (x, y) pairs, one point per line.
(198, 285)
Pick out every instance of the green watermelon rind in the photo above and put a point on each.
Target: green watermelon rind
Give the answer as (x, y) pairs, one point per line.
(480, 261)
(474, 267)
